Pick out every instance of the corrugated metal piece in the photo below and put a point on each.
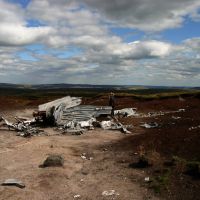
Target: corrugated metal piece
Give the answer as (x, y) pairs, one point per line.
(68, 109)
(81, 113)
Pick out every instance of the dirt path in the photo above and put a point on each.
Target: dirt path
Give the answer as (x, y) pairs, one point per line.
(20, 158)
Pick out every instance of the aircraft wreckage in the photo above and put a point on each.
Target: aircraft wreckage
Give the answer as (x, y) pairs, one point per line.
(69, 116)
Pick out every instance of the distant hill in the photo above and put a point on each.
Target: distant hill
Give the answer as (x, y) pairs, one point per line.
(65, 86)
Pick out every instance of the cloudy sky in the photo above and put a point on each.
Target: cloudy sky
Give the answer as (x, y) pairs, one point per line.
(136, 42)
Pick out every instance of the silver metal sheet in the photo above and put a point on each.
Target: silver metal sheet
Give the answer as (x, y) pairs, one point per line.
(82, 113)
(67, 102)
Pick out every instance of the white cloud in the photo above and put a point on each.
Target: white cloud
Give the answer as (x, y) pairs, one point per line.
(103, 57)
(13, 29)
(151, 48)
(14, 35)
(11, 13)
(193, 43)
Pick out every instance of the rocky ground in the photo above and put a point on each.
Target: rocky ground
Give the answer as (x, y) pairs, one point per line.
(110, 156)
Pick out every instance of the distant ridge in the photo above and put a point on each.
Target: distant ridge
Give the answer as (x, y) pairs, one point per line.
(66, 85)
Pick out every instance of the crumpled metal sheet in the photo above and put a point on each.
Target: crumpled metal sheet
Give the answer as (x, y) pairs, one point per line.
(67, 102)
(23, 126)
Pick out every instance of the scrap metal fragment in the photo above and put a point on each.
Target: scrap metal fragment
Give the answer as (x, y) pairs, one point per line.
(127, 112)
(67, 101)
(150, 125)
(13, 182)
(111, 125)
(22, 126)
(109, 193)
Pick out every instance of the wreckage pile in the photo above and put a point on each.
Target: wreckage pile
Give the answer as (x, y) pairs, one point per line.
(24, 127)
(69, 116)
(72, 117)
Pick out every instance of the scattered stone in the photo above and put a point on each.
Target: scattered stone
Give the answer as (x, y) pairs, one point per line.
(13, 182)
(53, 160)
(85, 172)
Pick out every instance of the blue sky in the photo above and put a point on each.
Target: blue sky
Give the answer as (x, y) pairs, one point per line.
(100, 42)
(23, 3)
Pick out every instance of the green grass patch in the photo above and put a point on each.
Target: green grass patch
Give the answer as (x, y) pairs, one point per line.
(161, 181)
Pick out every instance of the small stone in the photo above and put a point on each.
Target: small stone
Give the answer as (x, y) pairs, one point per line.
(77, 196)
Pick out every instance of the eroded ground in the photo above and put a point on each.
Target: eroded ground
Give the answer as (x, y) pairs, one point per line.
(112, 152)
(20, 158)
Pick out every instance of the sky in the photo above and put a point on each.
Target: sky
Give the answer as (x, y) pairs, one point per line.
(129, 42)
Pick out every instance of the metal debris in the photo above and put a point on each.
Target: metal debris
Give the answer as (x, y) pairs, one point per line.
(147, 179)
(194, 127)
(68, 109)
(70, 116)
(84, 156)
(109, 193)
(111, 125)
(23, 127)
(77, 196)
(127, 112)
(161, 113)
(74, 124)
(176, 117)
(66, 102)
(82, 113)
(150, 125)
(13, 182)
